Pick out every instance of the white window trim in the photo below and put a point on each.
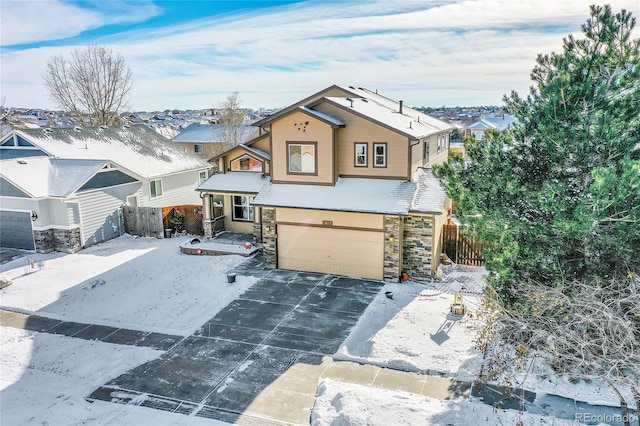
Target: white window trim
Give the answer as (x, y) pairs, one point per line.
(356, 155)
(375, 155)
(151, 192)
(200, 178)
(195, 148)
(248, 206)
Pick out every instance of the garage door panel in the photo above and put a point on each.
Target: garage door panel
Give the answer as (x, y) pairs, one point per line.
(331, 250)
(15, 230)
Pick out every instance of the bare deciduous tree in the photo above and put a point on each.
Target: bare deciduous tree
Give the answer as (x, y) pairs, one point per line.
(93, 84)
(232, 119)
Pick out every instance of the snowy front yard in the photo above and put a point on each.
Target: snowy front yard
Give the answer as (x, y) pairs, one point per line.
(137, 283)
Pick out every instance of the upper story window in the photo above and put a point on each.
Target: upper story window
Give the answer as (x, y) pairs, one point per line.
(155, 188)
(361, 154)
(246, 163)
(302, 157)
(379, 155)
(198, 148)
(202, 176)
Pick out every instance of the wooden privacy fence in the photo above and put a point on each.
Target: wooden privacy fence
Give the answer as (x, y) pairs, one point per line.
(462, 249)
(143, 221)
(187, 217)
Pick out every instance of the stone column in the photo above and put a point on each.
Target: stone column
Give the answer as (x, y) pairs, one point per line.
(418, 246)
(269, 249)
(392, 241)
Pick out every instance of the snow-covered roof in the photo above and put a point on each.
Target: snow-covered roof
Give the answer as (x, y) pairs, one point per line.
(235, 182)
(257, 151)
(360, 195)
(430, 195)
(201, 133)
(136, 148)
(49, 177)
(497, 123)
(410, 122)
(324, 117)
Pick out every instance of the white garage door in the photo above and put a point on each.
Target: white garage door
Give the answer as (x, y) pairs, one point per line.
(331, 250)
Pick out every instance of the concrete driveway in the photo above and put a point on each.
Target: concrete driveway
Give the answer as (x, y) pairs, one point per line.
(260, 356)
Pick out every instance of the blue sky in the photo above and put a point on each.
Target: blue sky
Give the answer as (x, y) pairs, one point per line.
(191, 54)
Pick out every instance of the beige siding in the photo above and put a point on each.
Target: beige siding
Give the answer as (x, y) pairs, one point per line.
(301, 127)
(355, 220)
(358, 129)
(331, 250)
(231, 225)
(263, 143)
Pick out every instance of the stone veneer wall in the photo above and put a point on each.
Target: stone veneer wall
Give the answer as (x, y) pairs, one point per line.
(43, 240)
(257, 232)
(392, 240)
(67, 240)
(417, 246)
(63, 240)
(269, 250)
(207, 225)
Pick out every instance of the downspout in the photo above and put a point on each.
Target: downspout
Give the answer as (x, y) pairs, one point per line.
(409, 174)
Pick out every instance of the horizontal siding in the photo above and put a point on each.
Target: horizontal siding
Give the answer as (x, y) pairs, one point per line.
(177, 190)
(99, 213)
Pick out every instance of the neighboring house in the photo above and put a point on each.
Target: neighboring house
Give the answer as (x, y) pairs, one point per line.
(70, 183)
(337, 183)
(498, 124)
(205, 140)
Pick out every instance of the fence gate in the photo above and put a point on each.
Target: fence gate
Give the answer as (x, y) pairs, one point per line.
(462, 249)
(143, 221)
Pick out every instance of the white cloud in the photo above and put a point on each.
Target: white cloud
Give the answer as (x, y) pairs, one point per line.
(469, 52)
(43, 20)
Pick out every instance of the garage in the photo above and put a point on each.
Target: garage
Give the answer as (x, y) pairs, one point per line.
(15, 230)
(333, 250)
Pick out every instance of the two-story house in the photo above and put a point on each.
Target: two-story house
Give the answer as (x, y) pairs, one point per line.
(337, 183)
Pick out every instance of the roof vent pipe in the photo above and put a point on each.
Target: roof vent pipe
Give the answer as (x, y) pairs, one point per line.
(400, 107)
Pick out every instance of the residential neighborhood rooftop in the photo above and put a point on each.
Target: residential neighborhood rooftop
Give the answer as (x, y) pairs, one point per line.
(49, 177)
(136, 148)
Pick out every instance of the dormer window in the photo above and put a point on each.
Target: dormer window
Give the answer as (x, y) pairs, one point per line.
(246, 163)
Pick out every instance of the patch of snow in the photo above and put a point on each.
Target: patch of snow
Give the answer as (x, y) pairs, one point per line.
(339, 403)
(137, 283)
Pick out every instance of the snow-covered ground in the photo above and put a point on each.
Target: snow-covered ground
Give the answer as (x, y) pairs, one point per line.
(137, 283)
(147, 284)
(350, 404)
